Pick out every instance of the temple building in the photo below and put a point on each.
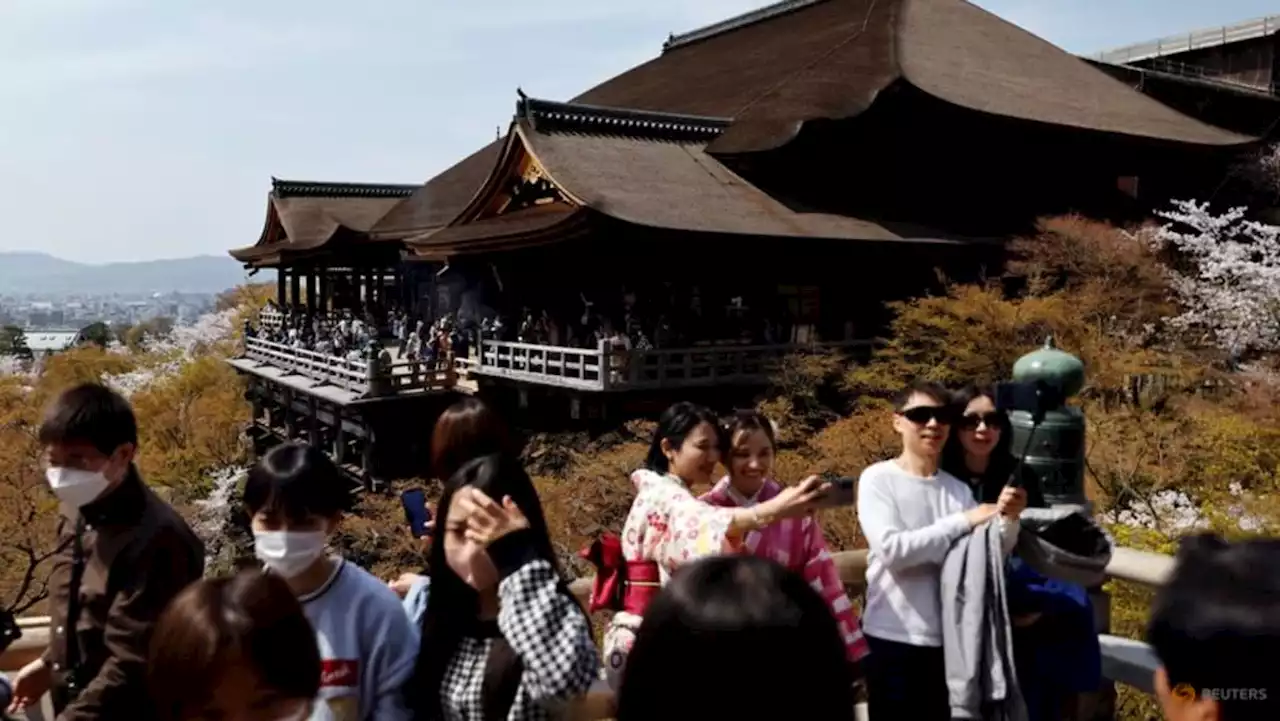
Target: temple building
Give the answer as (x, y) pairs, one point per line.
(764, 184)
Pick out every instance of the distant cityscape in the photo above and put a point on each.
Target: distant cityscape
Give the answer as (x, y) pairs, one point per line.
(73, 312)
(47, 304)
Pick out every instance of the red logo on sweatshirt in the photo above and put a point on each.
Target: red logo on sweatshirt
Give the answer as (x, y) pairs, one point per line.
(339, 672)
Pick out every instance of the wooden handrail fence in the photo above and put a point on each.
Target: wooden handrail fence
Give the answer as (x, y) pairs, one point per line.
(1124, 660)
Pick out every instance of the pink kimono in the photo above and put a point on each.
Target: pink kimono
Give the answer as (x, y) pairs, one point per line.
(798, 544)
(666, 527)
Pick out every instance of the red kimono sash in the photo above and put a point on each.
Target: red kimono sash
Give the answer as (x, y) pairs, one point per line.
(620, 585)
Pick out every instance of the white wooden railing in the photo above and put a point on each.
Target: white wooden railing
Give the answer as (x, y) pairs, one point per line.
(1186, 42)
(608, 368)
(351, 375)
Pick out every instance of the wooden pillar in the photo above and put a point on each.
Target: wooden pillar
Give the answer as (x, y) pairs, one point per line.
(312, 303)
(324, 291)
(313, 421)
(295, 289)
(255, 403)
(366, 460)
(339, 439)
(280, 286)
(290, 427)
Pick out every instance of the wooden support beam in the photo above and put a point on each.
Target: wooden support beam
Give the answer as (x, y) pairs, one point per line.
(312, 303)
(290, 426)
(313, 421)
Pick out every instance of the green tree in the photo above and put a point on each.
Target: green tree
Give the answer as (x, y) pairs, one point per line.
(97, 333)
(13, 341)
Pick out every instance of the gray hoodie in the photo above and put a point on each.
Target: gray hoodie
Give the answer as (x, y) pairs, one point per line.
(976, 637)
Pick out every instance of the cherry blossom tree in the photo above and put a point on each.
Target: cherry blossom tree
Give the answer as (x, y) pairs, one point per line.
(1226, 274)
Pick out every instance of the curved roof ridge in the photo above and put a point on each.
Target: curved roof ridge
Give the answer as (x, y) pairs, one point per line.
(324, 189)
(547, 115)
(768, 12)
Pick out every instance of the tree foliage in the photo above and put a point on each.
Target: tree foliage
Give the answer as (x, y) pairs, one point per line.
(190, 410)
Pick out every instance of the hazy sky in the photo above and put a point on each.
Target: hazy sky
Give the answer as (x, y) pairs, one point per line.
(140, 129)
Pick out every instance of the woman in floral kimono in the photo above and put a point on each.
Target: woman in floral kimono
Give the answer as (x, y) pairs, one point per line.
(668, 526)
(797, 544)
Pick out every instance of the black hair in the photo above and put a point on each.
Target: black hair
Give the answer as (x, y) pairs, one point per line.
(747, 421)
(674, 426)
(296, 480)
(1002, 461)
(455, 605)
(716, 612)
(89, 413)
(929, 389)
(1215, 621)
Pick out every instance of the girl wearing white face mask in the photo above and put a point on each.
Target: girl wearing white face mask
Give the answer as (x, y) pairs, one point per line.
(236, 649)
(295, 498)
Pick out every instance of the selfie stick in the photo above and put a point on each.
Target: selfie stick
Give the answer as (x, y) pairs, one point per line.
(1037, 417)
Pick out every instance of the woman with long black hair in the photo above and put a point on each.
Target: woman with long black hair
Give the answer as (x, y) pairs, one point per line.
(502, 638)
(1055, 646)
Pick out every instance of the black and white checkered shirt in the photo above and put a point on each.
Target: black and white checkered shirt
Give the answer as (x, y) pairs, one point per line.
(545, 627)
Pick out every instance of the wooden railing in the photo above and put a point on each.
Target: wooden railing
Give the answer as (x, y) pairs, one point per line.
(607, 368)
(1196, 40)
(578, 368)
(351, 375)
(1123, 660)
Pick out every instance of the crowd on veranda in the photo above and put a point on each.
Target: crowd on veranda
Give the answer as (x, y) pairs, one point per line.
(626, 322)
(726, 605)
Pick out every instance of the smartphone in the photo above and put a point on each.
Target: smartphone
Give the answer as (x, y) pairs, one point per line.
(843, 492)
(416, 513)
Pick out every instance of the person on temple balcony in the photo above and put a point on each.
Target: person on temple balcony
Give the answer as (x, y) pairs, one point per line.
(620, 343)
(668, 526)
(1056, 651)
(747, 448)
(122, 555)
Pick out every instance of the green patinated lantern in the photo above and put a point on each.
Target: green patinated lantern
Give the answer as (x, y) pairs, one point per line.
(1055, 458)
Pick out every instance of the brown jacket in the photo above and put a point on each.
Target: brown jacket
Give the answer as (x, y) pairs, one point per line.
(139, 554)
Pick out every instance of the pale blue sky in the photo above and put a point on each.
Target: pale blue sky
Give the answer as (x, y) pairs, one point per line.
(140, 129)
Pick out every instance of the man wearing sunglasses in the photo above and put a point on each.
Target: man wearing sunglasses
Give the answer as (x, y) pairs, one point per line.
(911, 513)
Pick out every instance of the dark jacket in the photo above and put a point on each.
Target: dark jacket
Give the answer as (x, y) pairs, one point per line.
(138, 554)
(987, 486)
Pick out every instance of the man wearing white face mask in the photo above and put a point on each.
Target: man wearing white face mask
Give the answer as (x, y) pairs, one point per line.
(122, 555)
(295, 498)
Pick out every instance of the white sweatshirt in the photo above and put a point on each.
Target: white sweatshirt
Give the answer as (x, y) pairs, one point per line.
(910, 524)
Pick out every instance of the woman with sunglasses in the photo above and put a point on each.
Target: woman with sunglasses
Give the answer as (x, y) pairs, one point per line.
(980, 451)
(1048, 615)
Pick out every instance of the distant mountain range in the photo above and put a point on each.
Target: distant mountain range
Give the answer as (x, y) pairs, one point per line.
(23, 272)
